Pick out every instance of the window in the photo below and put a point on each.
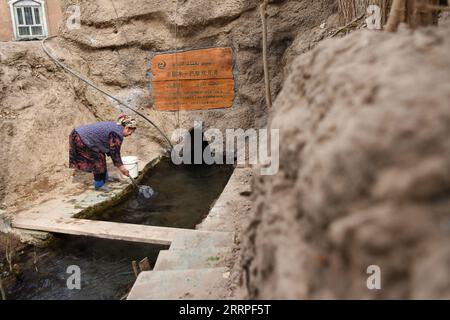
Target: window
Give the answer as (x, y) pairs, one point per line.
(29, 19)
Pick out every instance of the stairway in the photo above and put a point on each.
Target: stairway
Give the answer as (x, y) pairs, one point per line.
(192, 268)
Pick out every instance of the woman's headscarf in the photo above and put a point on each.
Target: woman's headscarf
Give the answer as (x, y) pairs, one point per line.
(126, 121)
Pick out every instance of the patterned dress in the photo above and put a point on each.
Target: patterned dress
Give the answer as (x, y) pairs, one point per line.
(83, 158)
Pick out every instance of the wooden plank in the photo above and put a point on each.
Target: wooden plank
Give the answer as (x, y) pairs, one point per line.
(103, 229)
(213, 63)
(193, 94)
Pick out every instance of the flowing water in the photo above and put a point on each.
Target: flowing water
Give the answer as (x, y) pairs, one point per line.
(105, 269)
(185, 196)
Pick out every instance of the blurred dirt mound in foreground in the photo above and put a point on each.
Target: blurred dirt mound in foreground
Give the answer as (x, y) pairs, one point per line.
(364, 173)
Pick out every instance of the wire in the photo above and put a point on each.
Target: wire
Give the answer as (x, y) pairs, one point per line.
(177, 65)
(263, 12)
(90, 83)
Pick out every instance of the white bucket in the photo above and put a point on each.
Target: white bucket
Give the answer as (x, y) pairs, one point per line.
(131, 164)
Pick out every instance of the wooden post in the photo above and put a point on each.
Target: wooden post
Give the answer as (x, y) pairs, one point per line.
(396, 16)
(144, 264)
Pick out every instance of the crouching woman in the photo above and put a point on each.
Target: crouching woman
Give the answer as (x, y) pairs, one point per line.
(89, 145)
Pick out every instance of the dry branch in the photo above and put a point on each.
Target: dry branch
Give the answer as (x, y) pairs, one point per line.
(347, 25)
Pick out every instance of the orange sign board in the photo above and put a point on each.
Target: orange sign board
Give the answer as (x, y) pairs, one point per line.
(193, 95)
(193, 80)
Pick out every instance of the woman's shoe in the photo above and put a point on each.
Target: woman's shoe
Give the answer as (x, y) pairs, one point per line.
(103, 189)
(99, 185)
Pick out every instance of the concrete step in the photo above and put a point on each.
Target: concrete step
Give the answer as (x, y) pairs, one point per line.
(196, 284)
(203, 240)
(192, 258)
(112, 230)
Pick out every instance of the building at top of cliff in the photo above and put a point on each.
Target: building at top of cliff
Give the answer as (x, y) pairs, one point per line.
(29, 19)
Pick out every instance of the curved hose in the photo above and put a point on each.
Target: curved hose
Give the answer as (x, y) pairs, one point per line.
(88, 82)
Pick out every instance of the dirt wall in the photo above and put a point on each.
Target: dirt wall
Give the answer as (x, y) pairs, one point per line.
(111, 47)
(39, 108)
(364, 173)
(115, 42)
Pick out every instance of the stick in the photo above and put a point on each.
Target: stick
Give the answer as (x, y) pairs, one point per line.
(262, 8)
(134, 182)
(124, 296)
(144, 264)
(9, 252)
(437, 8)
(35, 260)
(135, 268)
(2, 291)
(347, 25)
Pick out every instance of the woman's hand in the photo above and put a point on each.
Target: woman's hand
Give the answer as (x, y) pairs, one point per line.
(124, 171)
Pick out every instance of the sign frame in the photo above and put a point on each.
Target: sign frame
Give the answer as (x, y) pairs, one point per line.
(155, 80)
